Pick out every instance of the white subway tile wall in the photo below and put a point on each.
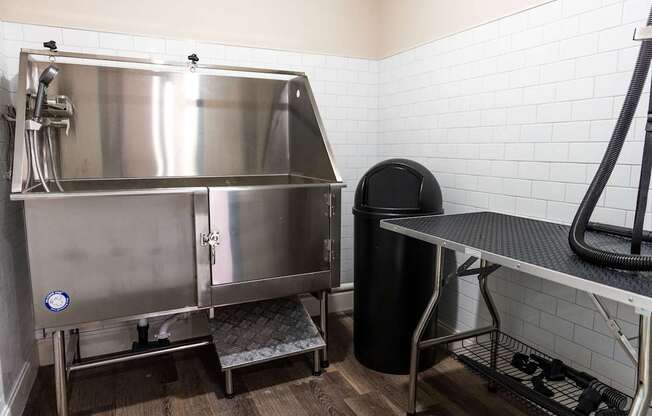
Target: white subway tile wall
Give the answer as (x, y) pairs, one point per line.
(514, 116)
(17, 350)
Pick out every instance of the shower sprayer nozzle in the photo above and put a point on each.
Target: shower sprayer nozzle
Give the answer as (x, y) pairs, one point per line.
(48, 75)
(44, 81)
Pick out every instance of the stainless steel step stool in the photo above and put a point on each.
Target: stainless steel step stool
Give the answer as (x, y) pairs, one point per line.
(257, 332)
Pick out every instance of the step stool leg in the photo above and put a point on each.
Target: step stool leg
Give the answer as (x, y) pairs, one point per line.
(316, 370)
(228, 381)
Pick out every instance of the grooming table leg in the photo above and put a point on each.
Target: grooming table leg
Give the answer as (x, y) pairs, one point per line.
(228, 382)
(493, 311)
(323, 326)
(418, 333)
(60, 376)
(644, 377)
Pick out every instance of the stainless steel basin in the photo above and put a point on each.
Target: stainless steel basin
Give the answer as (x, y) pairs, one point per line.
(182, 189)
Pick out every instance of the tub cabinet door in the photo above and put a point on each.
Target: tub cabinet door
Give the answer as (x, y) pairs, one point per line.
(110, 257)
(268, 241)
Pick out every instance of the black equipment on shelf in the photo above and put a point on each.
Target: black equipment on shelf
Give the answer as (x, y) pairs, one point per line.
(502, 360)
(539, 385)
(523, 363)
(577, 235)
(610, 412)
(554, 370)
(517, 387)
(594, 393)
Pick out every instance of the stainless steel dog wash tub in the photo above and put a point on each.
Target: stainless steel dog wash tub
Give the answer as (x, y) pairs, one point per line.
(153, 188)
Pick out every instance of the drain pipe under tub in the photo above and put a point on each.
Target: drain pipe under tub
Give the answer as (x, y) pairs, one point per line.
(164, 331)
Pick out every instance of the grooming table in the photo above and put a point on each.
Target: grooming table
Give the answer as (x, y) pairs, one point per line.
(541, 249)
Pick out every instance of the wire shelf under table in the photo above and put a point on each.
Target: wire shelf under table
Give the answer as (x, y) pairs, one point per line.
(479, 349)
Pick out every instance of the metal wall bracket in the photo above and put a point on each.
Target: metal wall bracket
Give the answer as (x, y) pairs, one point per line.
(615, 329)
(643, 33)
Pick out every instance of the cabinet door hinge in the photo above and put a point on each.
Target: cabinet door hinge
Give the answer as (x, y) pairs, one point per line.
(328, 250)
(332, 205)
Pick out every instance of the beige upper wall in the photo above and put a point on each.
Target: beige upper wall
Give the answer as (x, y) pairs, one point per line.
(338, 27)
(357, 28)
(409, 23)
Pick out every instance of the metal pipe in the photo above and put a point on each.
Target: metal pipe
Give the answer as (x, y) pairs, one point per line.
(316, 365)
(344, 287)
(418, 333)
(37, 160)
(228, 383)
(60, 374)
(62, 55)
(53, 165)
(164, 330)
(641, 400)
(73, 348)
(455, 337)
(323, 324)
(615, 329)
(138, 355)
(28, 155)
(493, 311)
(486, 295)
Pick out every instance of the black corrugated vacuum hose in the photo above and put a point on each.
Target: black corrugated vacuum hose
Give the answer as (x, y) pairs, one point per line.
(578, 228)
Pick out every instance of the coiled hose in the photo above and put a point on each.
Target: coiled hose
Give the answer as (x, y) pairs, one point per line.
(610, 396)
(578, 228)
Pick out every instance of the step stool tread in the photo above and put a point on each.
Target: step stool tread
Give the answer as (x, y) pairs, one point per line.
(255, 332)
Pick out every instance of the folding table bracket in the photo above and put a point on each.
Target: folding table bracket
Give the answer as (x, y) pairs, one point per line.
(615, 329)
(464, 269)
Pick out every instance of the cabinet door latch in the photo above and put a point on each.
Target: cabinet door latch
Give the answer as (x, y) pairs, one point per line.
(211, 240)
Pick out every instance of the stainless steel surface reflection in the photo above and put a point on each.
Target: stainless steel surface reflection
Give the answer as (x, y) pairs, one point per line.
(269, 233)
(114, 256)
(181, 190)
(133, 123)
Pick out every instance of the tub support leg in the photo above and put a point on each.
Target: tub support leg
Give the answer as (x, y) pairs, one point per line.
(60, 373)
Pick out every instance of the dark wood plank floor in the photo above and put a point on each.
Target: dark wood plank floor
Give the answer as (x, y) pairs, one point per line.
(188, 383)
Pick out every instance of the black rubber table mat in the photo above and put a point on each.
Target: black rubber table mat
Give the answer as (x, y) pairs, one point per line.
(539, 243)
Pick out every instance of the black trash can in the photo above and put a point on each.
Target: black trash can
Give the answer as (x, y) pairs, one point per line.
(394, 275)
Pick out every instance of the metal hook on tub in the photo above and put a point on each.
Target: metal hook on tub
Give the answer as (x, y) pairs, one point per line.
(52, 46)
(192, 65)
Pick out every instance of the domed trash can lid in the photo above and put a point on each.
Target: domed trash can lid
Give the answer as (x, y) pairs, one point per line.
(398, 187)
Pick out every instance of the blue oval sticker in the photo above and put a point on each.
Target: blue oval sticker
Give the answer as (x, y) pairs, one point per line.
(57, 300)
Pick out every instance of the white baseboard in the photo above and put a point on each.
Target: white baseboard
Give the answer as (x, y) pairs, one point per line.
(20, 392)
(119, 336)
